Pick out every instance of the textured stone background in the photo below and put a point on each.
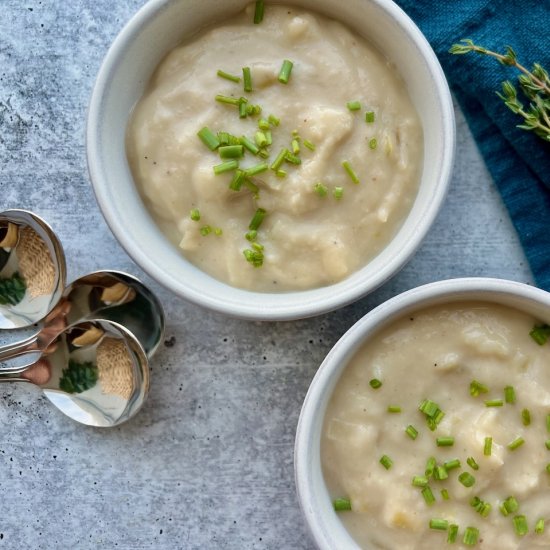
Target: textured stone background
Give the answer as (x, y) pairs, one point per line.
(208, 462)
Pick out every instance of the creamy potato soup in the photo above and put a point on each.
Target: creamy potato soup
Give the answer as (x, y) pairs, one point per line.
(438, 433)
(277, 156)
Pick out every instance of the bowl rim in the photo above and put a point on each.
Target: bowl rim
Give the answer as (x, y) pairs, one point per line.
(308, 431)
(222, 297)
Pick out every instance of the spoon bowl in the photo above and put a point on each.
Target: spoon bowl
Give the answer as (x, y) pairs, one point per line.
(95, 372)
(32, 269)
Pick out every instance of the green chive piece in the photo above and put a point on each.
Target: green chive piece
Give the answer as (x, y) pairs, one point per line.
(488, 446)
(539, 527)
(430, 466)
(369, 116)
(373, 143)
(320, 189)
(227, 99)
(309, 145)
(411, 431)
(441, 524)
(263, 124)
(394, 409)
(243, 110)
(445, 441)
(218, 231)
(520, 525)
(285, 71)
(256, 169)
(472, 463)
(279, 159)
(293, 159)
(452, 464)
(428, 495)
(453, 532)
(224, 138)
(227, 76)
(257, 219)
(226, 166)
(250, 145)
(208, 138)
(280, 173)
(255, 257)
(375, 383)
(231, 151)
(273, 120)
(295, 146)
(440, 473)
(247, 79)
(257, 246)
(509, 506)
(494, 403)
(251, 235)
(471, 535)
(540, 334)
(526, 417)
(518, 442)
(445, 494)
(466, 479)
(268, 137)
(481, 507)
(548, 423)
(341, 504)
(237, 181)
(477, 387)
(258, 12)
(509, 395)
(253, 110)
(206, 230)
(547, 443)
(337, 192)
(347, 167)
(260, 139)
(428, 407)
(195, 215)
(354, 105)
(386, 461)
(419, 481)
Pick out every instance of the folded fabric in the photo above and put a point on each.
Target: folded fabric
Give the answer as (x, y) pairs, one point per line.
(518, 160)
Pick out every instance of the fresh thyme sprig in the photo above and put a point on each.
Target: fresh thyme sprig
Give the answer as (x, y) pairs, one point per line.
(534, 84)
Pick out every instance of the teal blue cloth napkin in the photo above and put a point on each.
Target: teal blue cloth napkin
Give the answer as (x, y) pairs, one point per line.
(518, 161)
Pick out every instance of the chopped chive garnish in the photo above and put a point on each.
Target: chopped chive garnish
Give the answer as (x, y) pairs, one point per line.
(263, 153)
(337, 192)
(206, 230)
(518, 442)
(477, 387)
(548, 423)
(411, 431)
(430, 466)
(253, 109)
(256, 169)
(369, 116)
(321, 189)
(218, 231)
(488, 446)
(419, 481)
(540, 334)
(539, 527)
(353, 105)
(547, 444)
(293, 159)
(526, 417)
(520, 525)
(509, 395)
(273, 120)
(494, 403)
(263, 124)
(445, 494)
(279, 159)
(268, 138)
(466, 479)
(481, 507)
(226, 166)
(509, 506)
(394, 409)
(227, 76)
(428, 407)
(472, 463)
(208, 138)
(295, 146)
(347, 167)
(428, 495)
(257, 246)
(247, 79)
(237, 181)
(195, 215)
(375, 383)
(373, 143)
(251, 235)
(231, 151)
(309, 145)
(448, 441)
(386, 461)
(441, 524)
(259, 12)
(255, 257)
(250, 145)
(260, 139)
(280, 173)
(341, 504)
(452, 464)
(440, 473)
(471, 535)
(453, 532)
(285, 71)
(242, 110)
(257, 219)
(227, 99)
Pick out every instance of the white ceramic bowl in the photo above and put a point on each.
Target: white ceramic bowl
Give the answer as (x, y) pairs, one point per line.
(157, 28)
(324, 525)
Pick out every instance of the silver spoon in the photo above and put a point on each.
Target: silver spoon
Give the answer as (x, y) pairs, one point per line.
(95, 372)
(111, 295)
(32, 269)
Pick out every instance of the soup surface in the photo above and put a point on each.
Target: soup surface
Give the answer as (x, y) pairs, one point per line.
(329, 168)
(442, 419)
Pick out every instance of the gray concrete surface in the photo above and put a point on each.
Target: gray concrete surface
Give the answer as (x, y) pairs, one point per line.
(208, 463)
